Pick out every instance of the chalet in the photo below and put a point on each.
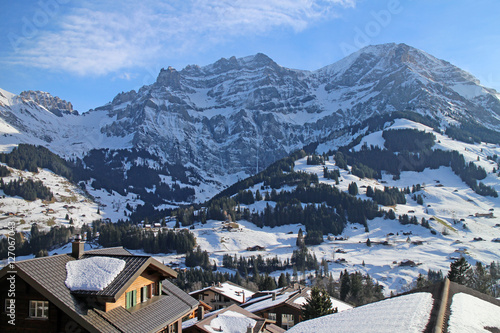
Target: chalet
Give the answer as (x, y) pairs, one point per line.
(56, 293)
(488, 215)
(228, 225)
(230, 319)
(223, 295)
(283, 307)
(256, 248)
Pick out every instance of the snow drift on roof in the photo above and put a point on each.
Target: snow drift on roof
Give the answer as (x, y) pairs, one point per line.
(471, 314)
(230, 322)
(92, 274)
(409, 313)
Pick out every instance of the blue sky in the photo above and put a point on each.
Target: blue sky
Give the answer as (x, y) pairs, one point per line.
(86, 52)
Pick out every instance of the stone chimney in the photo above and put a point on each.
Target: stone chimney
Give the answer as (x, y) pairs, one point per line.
(249, 329)
(274, 296)
(201, 312)
(78, 247)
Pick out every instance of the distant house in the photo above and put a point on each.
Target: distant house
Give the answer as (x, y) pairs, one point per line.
(488, 215)
(53, 294)
(256, 248)
(223, 295)
(230, 225)
(283, 307)
(230, 319)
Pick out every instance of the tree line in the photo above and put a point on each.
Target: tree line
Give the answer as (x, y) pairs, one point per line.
(132, 237)
(27, 189)
(38, 242)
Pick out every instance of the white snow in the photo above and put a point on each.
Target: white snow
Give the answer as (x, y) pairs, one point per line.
(267, 303)
(339, 305)
(409, 313)
(92, 274)
(471, 314)
(230, 322)
(235, 292)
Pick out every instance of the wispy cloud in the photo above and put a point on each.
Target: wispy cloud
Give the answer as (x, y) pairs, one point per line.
(100, 39)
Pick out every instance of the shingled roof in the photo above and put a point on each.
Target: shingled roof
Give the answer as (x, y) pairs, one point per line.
(48, 274)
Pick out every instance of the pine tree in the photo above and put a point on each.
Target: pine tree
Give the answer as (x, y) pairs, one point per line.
(353, 188)
(282, 281)
(300, 239)
(459, 270)
(345, 285)
(317, 305)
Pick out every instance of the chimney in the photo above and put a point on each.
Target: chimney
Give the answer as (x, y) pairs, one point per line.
(201, 312)
(243, 296)
(249, 329)
(78, 247)
(274, 297)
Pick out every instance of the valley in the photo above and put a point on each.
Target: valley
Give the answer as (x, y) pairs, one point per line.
(389, 174)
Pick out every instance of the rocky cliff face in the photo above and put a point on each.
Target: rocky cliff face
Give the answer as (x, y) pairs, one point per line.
(52, 103)
(239, 115)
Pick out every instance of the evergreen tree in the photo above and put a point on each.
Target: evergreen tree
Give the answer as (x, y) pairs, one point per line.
(353, 188)
(300, 239)
(459, 270)
(282, 282)
(317, 305)
(345, 285)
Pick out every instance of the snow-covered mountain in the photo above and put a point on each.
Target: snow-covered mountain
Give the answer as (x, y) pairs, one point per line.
(233, 118)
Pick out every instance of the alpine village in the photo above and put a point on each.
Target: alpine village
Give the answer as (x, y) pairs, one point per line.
(245, 196)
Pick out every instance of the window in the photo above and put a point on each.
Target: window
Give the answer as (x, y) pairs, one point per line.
(8, 302)
(158, 291)
(39, 309)
(287, 320)
(130, 299)
(217, 297)
(145, 293)
(271, 316)
(173, 328)
(200, 297)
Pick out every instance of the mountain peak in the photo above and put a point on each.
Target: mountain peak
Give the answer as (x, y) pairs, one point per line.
(52, 103)
(169, 77)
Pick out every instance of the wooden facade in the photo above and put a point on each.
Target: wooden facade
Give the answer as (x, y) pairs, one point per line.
(157, 306)
(56, 321)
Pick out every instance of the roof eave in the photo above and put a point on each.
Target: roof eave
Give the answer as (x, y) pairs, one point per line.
(53, 299)
(150, 262)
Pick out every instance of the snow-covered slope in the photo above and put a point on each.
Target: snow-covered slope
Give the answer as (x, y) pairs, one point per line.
(459, 220)
(233, 118)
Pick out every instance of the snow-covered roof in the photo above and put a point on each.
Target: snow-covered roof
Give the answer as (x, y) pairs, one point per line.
(409, 313)
(471, 314)
(92, 274)
(269, 302)
(230, 322)
(230, 290)
(341, 306)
